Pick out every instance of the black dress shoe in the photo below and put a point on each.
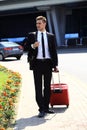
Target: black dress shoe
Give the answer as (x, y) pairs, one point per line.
(41, 114)
(49, 111)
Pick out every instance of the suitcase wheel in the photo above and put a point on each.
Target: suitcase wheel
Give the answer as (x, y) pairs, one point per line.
(67, 106)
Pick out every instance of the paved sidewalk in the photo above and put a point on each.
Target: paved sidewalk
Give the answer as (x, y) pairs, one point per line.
(72, 118)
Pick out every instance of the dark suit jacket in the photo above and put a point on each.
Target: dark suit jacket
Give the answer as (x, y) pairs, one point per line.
(32, 53)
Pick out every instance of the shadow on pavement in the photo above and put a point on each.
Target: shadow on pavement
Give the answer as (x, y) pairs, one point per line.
(31, 121)
(35, 121)
(60, 109)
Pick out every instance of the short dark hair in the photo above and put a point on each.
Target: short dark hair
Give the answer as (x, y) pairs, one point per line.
(41, 18)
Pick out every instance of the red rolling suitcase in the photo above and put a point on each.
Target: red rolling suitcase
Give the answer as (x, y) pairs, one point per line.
(59, 94)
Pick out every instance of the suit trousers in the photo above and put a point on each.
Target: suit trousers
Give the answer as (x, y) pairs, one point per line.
(42, 79)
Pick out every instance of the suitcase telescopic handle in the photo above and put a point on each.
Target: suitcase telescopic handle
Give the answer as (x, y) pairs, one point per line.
(59, 89)
(58, 77)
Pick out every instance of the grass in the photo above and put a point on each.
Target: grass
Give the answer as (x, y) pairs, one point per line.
(3, 78)
(9, 88)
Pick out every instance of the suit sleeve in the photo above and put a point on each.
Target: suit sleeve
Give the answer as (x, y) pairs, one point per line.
(54, 55)
(31, 41)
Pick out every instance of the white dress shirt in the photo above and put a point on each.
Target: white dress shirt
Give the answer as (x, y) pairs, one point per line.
(40, 53)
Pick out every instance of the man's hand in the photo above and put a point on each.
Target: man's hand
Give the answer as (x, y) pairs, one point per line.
(36, 44)
(55, 69)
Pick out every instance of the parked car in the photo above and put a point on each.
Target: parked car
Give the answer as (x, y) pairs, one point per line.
(10, 49)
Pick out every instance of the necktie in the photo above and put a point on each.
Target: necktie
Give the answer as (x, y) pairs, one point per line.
(43, 48)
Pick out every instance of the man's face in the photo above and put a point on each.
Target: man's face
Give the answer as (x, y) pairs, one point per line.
(40, 25)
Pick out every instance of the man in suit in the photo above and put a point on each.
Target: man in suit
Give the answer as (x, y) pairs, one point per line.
(42, 56)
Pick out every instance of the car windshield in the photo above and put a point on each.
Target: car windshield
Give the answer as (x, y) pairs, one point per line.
(9, 44)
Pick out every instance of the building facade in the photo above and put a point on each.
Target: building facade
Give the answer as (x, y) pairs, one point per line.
(67, 19)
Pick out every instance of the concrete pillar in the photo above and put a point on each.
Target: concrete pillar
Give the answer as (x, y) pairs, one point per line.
(55, 25)
(58, 18)
(48, 13)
